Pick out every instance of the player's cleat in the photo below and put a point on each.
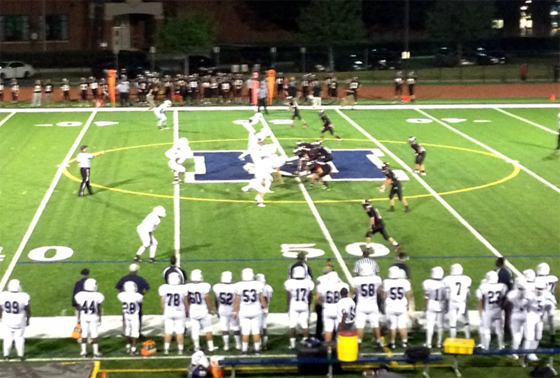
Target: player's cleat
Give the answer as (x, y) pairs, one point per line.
(136, 259)
(423, 173)
(438, 346)
(152, 260)
(215, 348)
(392, 208)
(416, 171)
(407, 210)
(135, 353)
(339, 140)
(175, 182)
(397, 248)
(305, 125)
(244, 353)
(261, 205)
(392, 346)
(326, 188)
(514, 357)
(128, 349)
(83, 355)
(404, 345)
(532, 357)
(226, 348)
(159, 128)
(97, 355)
(81, 195)
(166, 352)
(180, 352)
(245, 189)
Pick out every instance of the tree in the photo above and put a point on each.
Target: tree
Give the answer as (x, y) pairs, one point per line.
(187, 34)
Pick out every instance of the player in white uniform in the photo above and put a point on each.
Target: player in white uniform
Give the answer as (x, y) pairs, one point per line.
(200, 308)
(397, 293)
(89, 315)
(367, 286)
(458, 293)
(225, 294)
(145, 231)
(174, 305)
(267, 292)
(261, 183)
(299, 289)
(517, 301)
(248, 306)
(537, 308)
(435, 298)
(530, 276)
(160, 114)
(14, 314)
(328, 295)
(491, 296)
(543, 271)
(131, 302)
(345, 312)
(177, 155)
(255, 139)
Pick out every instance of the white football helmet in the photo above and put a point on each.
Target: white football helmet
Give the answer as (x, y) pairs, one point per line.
(492, 277)
(159, 211)
(261, 278)
(543, 269)
(333, 277)
(268, 149)
(247, 274)
(196, 275)
(174, 278)
(167, 103)
(394, 272)
(261, 136)
(411, 139)
(540, 285)
(456, 269)
(227, 277)
(366, 270)
(529, 275)
(130, 287)
(437, 273)
(520, 283)
(90, 285)
(298, 273)
(14, 286)
(183, 141)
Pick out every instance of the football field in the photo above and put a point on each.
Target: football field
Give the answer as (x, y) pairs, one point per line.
(492, 188)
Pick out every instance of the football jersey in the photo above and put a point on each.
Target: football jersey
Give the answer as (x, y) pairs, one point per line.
(13, 308)
(539, 304)
(519, 300)
(435, 291)
(162, 108)
(367, 292)
(225, 294)
(299, 293)
(458, 288)
(551, 282)
(89, 302)
(130, 304)
(267, 292)
(150, 223)
(395, 293)
(197, 298)
(417, 148)
(84, 159)
(492, 295)
(330, 293)
(249, 293)
(174, 297)
(373, 213)
(346, 306)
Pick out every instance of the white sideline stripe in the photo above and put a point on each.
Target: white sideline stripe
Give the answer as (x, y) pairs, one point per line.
(433, 192)
(7, 118)
(177, 196)
(488, 148)
(44, 202)
(528, 121)
(313, 208)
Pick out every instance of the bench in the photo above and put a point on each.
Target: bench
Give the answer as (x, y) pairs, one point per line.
(297, 361)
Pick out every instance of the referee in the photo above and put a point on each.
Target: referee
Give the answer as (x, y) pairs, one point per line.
(365, 260)
(84, 162)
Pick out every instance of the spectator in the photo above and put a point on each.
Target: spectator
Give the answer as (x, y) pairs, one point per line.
(301, 262)
(174, 268)
(367, 260)
(79, 286)
(262, 96)
(141, 283)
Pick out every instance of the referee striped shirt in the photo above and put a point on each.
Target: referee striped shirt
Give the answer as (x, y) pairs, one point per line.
(366, 261)
(174, 269)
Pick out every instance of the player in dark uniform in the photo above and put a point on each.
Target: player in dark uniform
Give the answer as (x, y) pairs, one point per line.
(214, 88)
(333, 87)
(83, 90)
(141, 89)
(420, 153)
(206, 90)
(94, 88)
(65, 91)
(396, 187)
(411, 81)
(399, 80)
(292, 88)
(48, 92)
(104, 90)
(293, 106)
(305, 87)
(168, 88)
(327, 126)
(280, 84)
(225, 89)
(319, 170)
(355, 87)
(237, 87)
(376, 225)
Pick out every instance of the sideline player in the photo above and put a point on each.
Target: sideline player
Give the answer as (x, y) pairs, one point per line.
(345, 312)
(434, 303)
(542, 303)
(543, 272)
(14, 314)
(89, 315)
(397, 293)
(420, 153)
(160, 114)
(458, 288)
(328, 295)
(145, 231)
(327, 126)
(293, 107)
(84, 162)
(131, 304)
(396, 187)
(200, 308)
(267, 292)
(491, 295)
(299, 293)
(376, 225)
(225, 293)
(367, 286)
(174, 305)
(517, 300)
(177, 155)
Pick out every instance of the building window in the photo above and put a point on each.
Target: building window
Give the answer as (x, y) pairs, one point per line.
(56, 28)
(14, 28)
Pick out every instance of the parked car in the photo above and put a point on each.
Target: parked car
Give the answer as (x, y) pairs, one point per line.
(9, 70)
(484, 57)
(382, 59)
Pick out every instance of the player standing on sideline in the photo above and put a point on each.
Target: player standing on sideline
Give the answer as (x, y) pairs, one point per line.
(327, 126)
(530, 276)
(131, 301)
(411, 81)
(517, 300)
(543, 272)
(177, 155)
(15, 90)
(367, 286)
(65, 87)
(174, 305)
(376, 225)
(299, 294)
(160, 114)
(434, 305)
(542, 303)
(225, 293)
(420, 154)
(83, 91)
(200, 309)
(458, 292)
(491, 295)
(89, 303)
(328, 295)
(345, 312)
(396, 187)
(84, 162)
(293, 107)
(399, 80)
(14, 314)
(397, 294)
(145, 231)
(267, 292)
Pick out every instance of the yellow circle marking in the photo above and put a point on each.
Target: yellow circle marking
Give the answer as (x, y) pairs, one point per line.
(514, 173)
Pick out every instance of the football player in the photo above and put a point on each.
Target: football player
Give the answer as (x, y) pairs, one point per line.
(434, 304)
(131, 301)
(14, 314)
(328, 295)
(327, 126)
(299, 290)
(279, 84)
(225, 293)
(293, 107)
(15, 90)
(542, 303)
(168, 87)
(332, 86)
(491, 295)
(177, 155)
(543, 272)
(145, 231)
(530, 276)
(83, 91)
(319, 170)
(261, 183)
(376, 225)
(367, 287)
(411, 81)
(160, 114)
(89, 316)
(420, 154)
(399, 80)
(249, 305)
(354, 87)
(255, 139)
(200, 308)
(396, 187)
(174, 305)
(397, 293)
(65, 87)
(345, 312)
(94, 87)
(458, 288)
(267, 292)
(517, 300)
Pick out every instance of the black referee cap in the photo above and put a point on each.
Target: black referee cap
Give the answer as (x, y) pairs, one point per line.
(83, 146)
(85, 272)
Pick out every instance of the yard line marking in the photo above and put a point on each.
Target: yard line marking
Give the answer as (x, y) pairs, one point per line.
(44, 202)
(177, 195)
(313, 208)
(433, 192)
(7, 118)
(527, 121)
(507, 159)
